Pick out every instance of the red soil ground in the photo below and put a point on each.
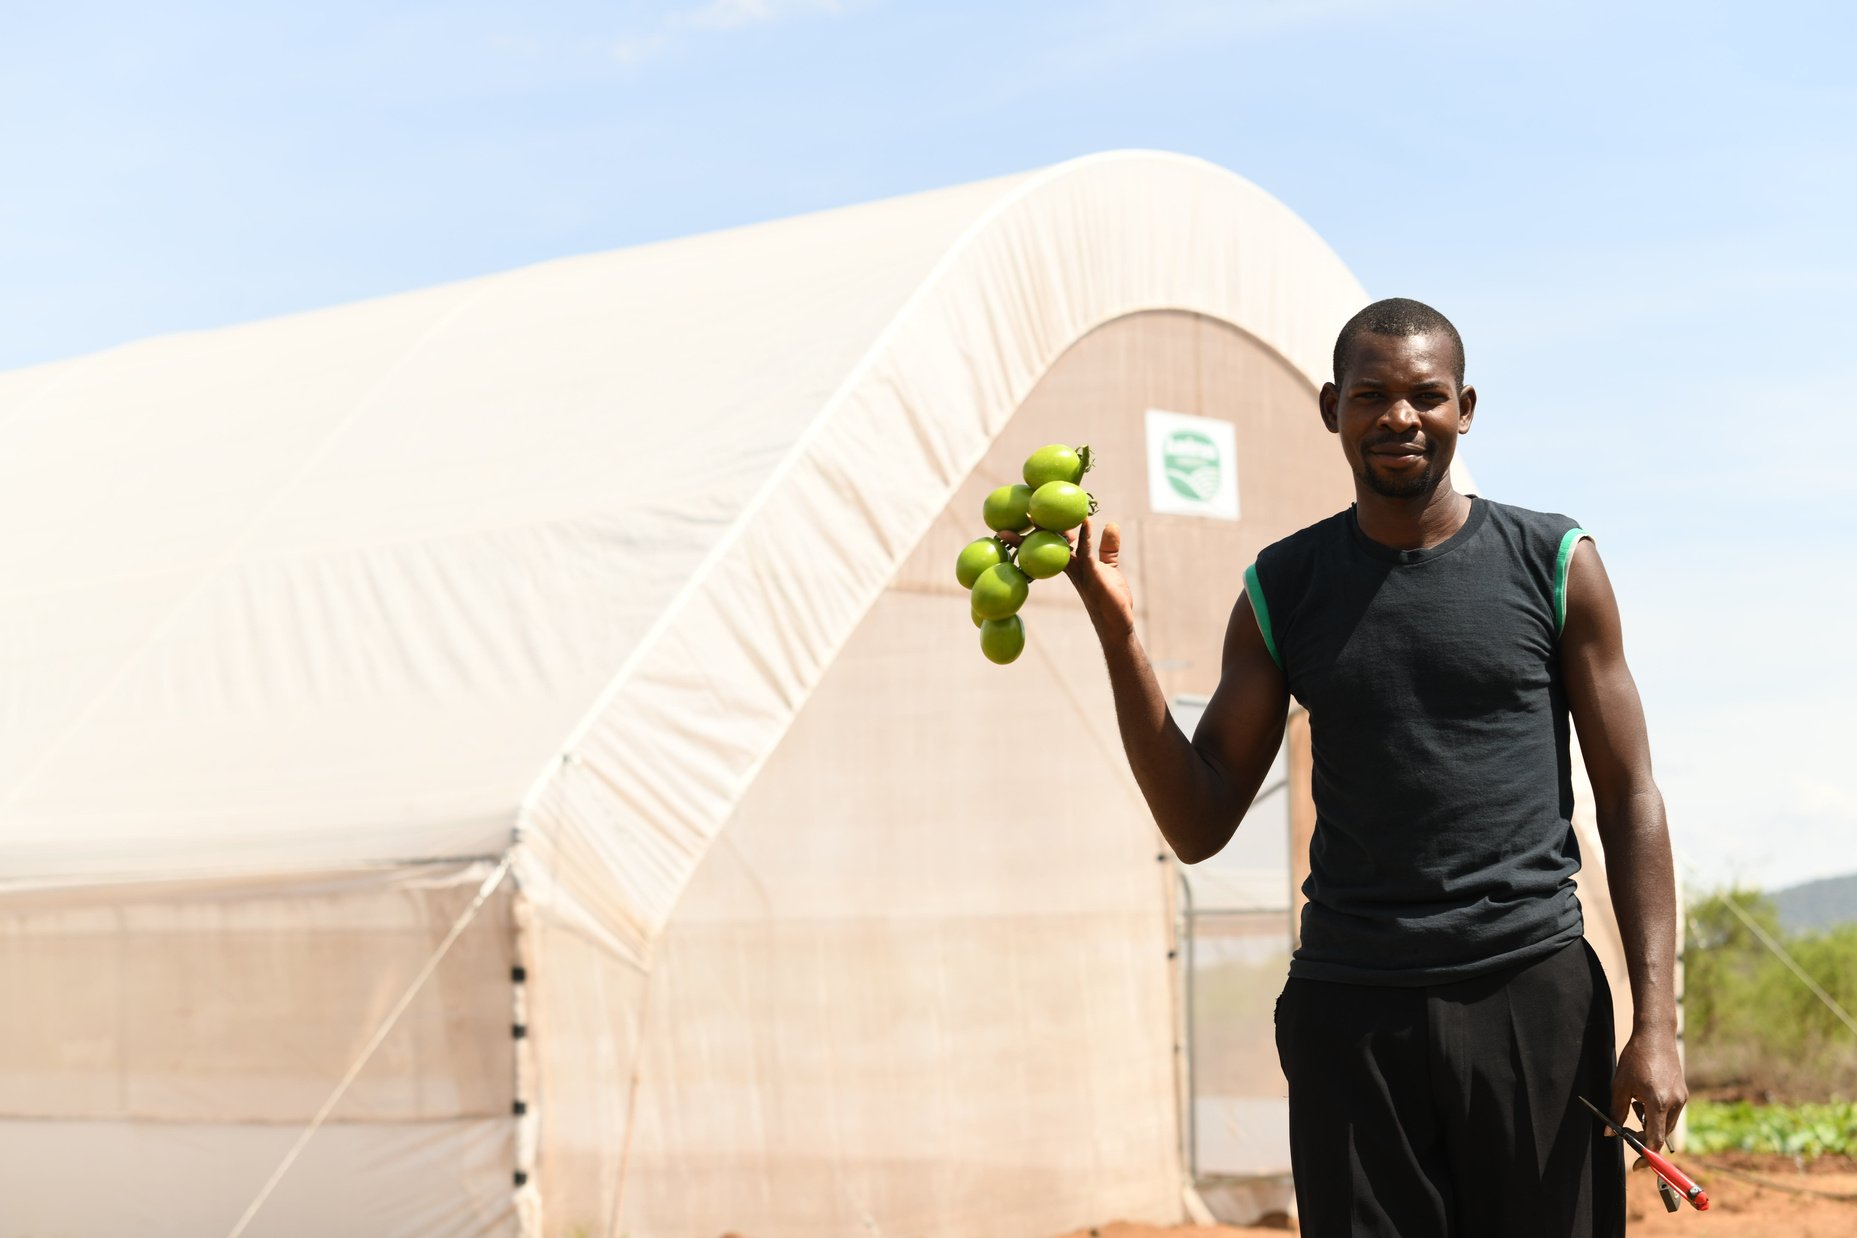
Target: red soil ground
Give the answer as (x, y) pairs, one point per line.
(1775, 1206)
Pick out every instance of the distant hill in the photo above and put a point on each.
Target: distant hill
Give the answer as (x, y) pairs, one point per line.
(1817, 905)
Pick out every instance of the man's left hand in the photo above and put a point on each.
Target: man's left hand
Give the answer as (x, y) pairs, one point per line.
(1650, 1073)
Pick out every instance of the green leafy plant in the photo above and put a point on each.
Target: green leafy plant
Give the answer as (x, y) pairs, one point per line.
(1806, 1131)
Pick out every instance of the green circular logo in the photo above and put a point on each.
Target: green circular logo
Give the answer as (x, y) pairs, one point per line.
(1191, 461)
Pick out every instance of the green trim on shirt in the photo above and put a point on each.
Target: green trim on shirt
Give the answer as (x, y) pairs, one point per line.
(1261, 609)
(1562, 564)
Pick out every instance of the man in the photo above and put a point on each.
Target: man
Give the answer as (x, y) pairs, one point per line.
(1443, 1009)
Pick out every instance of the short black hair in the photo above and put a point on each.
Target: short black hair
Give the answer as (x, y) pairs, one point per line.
(1396, 316)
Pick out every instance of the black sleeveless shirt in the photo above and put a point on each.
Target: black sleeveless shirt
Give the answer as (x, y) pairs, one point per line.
(1443, 842)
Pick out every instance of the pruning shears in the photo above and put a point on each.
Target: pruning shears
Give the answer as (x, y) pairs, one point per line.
(1671, 1181)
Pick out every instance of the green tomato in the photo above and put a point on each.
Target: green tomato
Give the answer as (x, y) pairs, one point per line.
(1059, 505)
(1000, 591)
(1044, 554)
(976, 557)
(1056, 462)
(1005, 509)
(1002, 640)
(974, 615)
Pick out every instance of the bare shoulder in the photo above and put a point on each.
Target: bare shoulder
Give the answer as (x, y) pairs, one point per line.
(1591, 605)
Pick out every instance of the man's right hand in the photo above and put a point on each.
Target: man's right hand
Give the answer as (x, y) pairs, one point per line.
(1097, 573)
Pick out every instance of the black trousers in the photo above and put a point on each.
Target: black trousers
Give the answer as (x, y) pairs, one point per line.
(1448, 1111)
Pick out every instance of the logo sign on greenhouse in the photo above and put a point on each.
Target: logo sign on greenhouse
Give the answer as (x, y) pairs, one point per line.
(1192, 465)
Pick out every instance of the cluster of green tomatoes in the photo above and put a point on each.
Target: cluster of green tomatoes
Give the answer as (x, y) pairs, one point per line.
(1000, 575)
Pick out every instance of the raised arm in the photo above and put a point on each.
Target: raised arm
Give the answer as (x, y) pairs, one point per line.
(1604, 703)
(1198, 791)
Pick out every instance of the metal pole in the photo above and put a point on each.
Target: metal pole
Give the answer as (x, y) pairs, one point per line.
(1186, 990)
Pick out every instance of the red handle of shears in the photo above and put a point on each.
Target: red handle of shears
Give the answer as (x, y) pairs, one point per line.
(1679, 1180)
(1670, 1173)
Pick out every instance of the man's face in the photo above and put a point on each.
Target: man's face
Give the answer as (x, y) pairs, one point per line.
(1398, 412)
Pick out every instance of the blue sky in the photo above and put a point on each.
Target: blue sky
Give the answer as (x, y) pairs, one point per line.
(1638, 215)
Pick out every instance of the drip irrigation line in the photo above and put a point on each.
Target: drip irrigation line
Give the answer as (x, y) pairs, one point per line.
(1716, 1167)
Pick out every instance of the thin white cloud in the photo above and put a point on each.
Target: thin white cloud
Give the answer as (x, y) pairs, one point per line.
(718, 15)
(728, 14)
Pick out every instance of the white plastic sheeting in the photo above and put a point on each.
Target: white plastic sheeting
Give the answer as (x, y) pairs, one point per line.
(701, 701)
(934, 1001)
(164, 1044)
(358, 596)
(185, 1180)
(333, 589)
